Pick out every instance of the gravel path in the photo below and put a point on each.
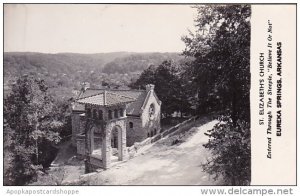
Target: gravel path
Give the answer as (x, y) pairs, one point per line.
(163, 164)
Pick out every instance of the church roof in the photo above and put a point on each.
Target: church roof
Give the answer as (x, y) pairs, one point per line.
(105, 99)
(94, 95)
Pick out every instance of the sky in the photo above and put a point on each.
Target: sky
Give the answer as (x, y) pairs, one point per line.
(91, 28)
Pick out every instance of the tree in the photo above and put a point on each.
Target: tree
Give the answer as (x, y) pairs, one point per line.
(146, 77)
(169, 86)
(221, 48)
(231, 151)
(8, 156)
(31, 126)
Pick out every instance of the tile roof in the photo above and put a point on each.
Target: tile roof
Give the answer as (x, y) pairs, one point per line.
(133, 108)
(105, 99)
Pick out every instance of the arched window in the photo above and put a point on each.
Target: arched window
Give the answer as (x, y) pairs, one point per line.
(155, 131)
(100, 115)
(148, 134)
(121, 112)
(130, 125)
(151, 111)
(88, 112)
(109, 114)
(94, 113)
(116, 113)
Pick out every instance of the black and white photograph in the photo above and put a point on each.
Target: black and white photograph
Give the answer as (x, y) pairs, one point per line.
(128, 94)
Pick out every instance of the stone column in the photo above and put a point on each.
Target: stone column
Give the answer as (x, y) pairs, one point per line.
(106, 148)
(75, 127)
(120, 144)
(124, 154)
(87, 145)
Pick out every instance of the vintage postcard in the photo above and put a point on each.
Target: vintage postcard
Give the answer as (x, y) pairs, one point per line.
(149, 94)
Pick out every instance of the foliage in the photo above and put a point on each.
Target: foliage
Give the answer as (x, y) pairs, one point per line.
(31, 127)
(147, 77)
(231, 151)
(169, 86)
(221, 70)
(54, 177)
(63, 113)
(221, 46)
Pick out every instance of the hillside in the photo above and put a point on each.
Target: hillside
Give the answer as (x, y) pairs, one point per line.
(16, 63)
(138, 62)
(64, 72)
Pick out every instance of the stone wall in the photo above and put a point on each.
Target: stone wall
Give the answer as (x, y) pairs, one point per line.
(97, 163)
(137, 133)
(175, 129)
(179, 128)
(144, 126)
(81, 145)
(75, 126)
(82, 123)
(151, 124)
(120, 124)
(93, 164)
(80, 141)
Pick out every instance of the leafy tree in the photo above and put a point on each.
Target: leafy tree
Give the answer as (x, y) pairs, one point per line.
(63, 112)
(30, 125)
(231, 150)
(169, 86)
(8, 156)
(221, 48)
(146, 77)
(166, 81)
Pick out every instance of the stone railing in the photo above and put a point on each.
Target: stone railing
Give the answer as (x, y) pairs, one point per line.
(173, 129)
(137, 145)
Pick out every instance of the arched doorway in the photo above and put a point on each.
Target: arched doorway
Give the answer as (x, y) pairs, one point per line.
(96, 143)
(116, 143)
(114, 138)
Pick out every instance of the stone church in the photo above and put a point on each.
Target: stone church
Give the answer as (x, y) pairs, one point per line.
(105, 122)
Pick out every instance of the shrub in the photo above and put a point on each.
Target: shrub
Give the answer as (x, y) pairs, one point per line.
(230, 147)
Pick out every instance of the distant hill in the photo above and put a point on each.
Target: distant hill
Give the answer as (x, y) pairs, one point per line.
(18, 63)
(138, 62)
(65, 71)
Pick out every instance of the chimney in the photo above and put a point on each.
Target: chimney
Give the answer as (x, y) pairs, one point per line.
(104, 97)
(149, 87)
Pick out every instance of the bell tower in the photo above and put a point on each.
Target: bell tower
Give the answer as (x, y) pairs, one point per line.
(105, 129)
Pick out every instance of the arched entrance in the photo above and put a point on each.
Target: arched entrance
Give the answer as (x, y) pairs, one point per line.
(116, 143)
(96, 143)
(114, 138)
